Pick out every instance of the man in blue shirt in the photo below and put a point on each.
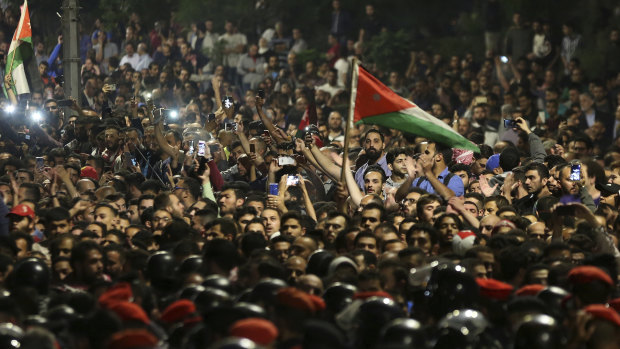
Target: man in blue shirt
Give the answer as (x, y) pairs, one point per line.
(374, 149)
(432, 175)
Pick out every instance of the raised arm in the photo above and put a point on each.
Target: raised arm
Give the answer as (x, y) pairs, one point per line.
(328, 166)
(307, 202)
(354, 191)
(267, 122)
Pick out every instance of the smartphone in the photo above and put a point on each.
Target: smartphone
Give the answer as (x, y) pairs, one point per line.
(40, 163)
(503, 59)
(273, 188)
(575, 173)
(480, 100)
(292, 180)
(252, 148)
(228, 102)
(112, 86)
(565, 210)
(285, 161)
(64, 103)
(190, 151)
(266, 134)
(232, 126)
(201, 148)
(211, 117)
(510, 123)
(541, 115)
(261, 94)
(134, 162)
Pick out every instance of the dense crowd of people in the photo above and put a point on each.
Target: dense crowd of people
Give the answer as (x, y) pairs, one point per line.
(189, 198)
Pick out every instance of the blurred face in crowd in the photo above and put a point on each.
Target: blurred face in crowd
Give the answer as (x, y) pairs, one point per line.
(533, 182)
(373, 183)
(420, 239)
(106, 216)
(291, 227)
(448, 227)
(568, 186)
(373, 146)
(271, 219)
(371, 218)
(410, 202)
(333, 226)
(428, 211)
(367, 243)
(228, 201)
(161, 218)
(487, 223)
(399, 165)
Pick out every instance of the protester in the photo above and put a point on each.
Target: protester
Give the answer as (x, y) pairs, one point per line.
(205, 193)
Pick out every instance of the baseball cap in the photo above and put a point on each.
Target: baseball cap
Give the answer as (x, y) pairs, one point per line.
(22, 210)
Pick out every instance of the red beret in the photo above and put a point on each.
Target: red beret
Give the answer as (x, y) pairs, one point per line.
(530, 290)
(128, 311)
(319, 303)
(119, 292)
(296, 299)
(133, 338)
(90, 172)
(587, 273)
(366, 295)
(178, 311)
(615, 304)
(261, 331)
(494, 289)
(603, 312)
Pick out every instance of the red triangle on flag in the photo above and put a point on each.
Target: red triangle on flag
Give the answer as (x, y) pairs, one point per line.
(25, 31)
(374, 98)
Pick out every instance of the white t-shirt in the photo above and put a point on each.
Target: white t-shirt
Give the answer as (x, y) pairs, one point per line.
(232, 41)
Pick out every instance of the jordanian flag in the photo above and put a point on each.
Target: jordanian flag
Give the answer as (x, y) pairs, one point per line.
(377, 104)
(20, 51)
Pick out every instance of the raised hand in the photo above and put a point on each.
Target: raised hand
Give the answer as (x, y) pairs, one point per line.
(486, 189)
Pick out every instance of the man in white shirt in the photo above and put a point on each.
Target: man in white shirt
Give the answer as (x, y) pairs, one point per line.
(144, 58)
(233, 47)
(331, 86)
(131, 57)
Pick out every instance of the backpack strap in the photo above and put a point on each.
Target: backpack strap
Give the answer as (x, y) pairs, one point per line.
(447, 178)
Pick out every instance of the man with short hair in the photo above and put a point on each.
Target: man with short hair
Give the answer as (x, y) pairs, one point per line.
(433, 174)
(374, 181)
(108, 215)
(87, 264)
(169, 202)
(366, 241)
(291, 225)
(230, 198)
(536, 175)
(396, 159)
(271, 220)
(372, 215)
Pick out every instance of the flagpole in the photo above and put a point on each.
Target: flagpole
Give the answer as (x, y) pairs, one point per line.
(345, 155)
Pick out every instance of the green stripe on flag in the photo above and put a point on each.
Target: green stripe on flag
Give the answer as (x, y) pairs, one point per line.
(412, 124)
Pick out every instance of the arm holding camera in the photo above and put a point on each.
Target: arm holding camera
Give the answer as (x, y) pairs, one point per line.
(173, 152)
(537, 150)
(267, 122)
(307, 202)
(327, 165)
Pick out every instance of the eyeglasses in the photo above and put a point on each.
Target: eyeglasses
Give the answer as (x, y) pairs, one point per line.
(157, 219)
